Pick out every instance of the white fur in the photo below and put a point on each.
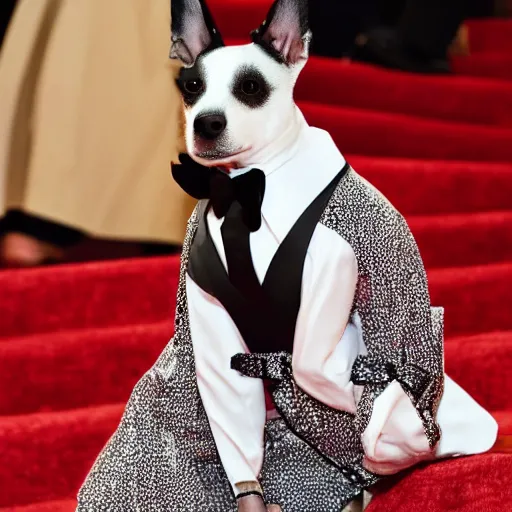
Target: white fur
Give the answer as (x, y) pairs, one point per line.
(257, 134)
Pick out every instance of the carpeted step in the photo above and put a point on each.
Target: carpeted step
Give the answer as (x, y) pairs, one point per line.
(489, 35)
(485, 65)
(235, 19)
(118, 293)
(493, 495)
(46, 456)
(479, 483)
(407, 482)
(90, 295)
(45, 506)
(91, 367)
(463, 239)
(504, 419)
(426, 187)
(396, 135)
(461, 99)
(482, 365)
(476, 299)
(77, 368)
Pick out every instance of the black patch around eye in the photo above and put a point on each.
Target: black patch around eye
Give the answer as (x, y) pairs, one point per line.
(251, 88)
(191, 84)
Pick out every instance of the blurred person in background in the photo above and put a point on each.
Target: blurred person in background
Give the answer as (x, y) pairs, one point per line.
(419, 39)
(409, 35)
(90, 120)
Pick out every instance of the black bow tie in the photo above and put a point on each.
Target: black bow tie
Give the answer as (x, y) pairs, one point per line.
(210, 183)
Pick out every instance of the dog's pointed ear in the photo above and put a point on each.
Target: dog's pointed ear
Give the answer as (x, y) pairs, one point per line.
(193, 30)
(285, 32)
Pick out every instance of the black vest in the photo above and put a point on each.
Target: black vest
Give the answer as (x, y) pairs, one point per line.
(266, 320)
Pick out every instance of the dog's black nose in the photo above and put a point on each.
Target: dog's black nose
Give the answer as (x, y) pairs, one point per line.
(210, 126)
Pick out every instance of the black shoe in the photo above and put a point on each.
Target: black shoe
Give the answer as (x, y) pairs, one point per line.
(383, 47)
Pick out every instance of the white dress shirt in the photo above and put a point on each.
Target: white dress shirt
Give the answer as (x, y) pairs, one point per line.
(327, 340)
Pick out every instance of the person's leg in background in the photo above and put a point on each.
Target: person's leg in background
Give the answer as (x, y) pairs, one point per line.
(89, 126)
(25, 239)
(26, 37)
(28, 240)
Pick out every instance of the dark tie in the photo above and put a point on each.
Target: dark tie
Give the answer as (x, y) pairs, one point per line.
(236, 241)
(211, 183)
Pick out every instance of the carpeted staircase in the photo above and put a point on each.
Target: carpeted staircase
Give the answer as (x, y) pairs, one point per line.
(75, 339)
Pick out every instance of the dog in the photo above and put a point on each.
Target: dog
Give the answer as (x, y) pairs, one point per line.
(227, 93)
(299, 280)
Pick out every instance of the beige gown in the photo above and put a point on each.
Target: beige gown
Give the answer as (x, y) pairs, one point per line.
(90, 118)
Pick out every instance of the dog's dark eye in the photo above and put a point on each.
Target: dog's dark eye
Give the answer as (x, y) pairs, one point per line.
(194, 86)
(250, 87)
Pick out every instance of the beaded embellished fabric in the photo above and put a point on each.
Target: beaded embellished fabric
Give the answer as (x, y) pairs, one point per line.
(401, 331)
(163, 455)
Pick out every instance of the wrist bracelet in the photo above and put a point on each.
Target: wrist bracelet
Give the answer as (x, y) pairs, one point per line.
(249, 493)
(248, 488)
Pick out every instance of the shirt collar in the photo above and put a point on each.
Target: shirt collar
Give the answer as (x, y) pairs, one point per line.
(297, 177)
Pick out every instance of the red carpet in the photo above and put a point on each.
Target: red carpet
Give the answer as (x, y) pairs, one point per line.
(451, 98)
(74, 339)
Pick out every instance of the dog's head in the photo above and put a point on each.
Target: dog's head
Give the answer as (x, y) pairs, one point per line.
(238, 99)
